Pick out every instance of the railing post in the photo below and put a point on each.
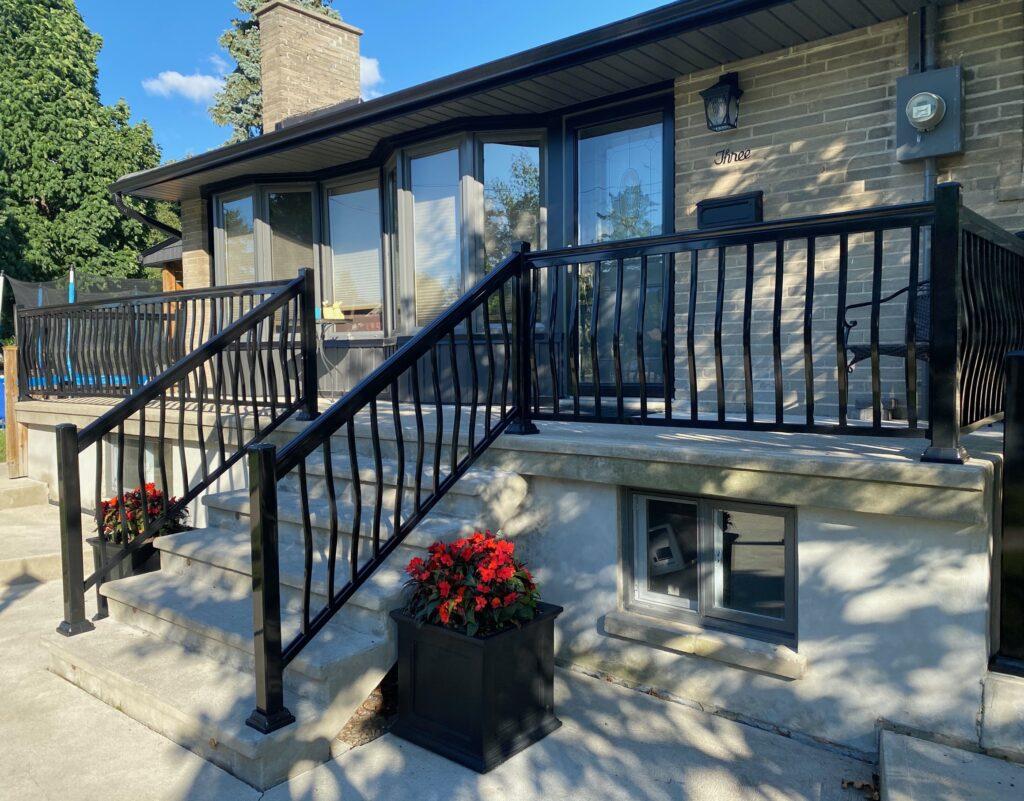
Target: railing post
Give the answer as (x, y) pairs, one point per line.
(522, 342)
(72, 573)
(944, 353)
(1010, 654)
(310, 382)
(270, 713)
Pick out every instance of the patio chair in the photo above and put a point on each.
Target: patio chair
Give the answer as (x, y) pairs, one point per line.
(922, 326)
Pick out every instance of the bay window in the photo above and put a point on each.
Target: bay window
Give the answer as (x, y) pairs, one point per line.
(354, 284)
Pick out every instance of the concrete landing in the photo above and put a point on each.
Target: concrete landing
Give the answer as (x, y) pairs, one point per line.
(917, 770)
(30, 544)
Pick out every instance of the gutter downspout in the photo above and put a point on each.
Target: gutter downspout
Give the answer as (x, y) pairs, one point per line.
(923, 55)
(138, 216)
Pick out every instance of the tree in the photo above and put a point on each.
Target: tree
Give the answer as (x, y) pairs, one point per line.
(511, 209)
(629, 215)
(61, 149)
(240, 102)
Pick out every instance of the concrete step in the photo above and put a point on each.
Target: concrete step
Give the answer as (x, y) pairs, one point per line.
(17, 493)
(916, 770)
(225, 555)
(230, 510)
(30, 544)
(215, 618)
(202, 703)
(486, 493)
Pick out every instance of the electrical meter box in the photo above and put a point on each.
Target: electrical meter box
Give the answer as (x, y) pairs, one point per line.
(929, 114)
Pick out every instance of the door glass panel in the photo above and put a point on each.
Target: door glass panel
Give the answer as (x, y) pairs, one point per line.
(437, 253)
(620, 184)
(669, 550)
(291, 233)
(511, 199)
(239, 241)
(750, 552)
(355, 239)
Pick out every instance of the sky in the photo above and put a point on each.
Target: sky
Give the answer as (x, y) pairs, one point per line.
(163, 58)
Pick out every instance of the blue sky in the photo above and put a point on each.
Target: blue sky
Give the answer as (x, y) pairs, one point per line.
(163, 58)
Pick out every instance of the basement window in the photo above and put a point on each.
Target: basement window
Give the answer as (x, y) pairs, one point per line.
(714, 563)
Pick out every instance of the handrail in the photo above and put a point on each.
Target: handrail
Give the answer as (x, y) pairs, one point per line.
(397, 378)
(151, 390)
(263, 364)
(232, 290)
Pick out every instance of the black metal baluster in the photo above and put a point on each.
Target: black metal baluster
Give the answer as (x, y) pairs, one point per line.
(439, 416)
(182, 461)
(307, 545)
(457, 389)
(552, 324)
(841, 369)
(378, 470)
(400, 452)
(272, 396)
(719, 371)
(780, 267)
(357, 501)
(200, 432)
(122, 513)
(532, 334)
(161, 444)
(876, 294)
(911, 330)
(574, 341)
(474, 385)
(617, 341)
(420, 437)
(691, 326)
(491, 370)
(507, 344)
(748, 311)
(141, 466)
(808, 338)
(668, 310)
(641, 309)
(332, 501)
(595, 368)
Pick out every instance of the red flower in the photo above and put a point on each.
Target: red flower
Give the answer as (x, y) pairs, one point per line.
(444, 588)
(480, 601)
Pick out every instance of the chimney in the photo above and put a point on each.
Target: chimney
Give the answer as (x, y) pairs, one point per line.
(309, 61)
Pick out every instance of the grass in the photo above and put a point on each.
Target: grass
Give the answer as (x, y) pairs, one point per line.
(3, 444)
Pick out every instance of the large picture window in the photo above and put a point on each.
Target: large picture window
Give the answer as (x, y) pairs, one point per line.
(714, 561)
(356, 269)
(238, 225)
(512, 192)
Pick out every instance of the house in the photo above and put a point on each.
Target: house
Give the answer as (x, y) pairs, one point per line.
(733, 397)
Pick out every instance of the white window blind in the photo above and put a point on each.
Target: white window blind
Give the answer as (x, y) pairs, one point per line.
(436, 233)
(356, 264)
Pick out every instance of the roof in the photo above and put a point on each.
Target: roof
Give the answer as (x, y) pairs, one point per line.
(162, 252)
(619, 58)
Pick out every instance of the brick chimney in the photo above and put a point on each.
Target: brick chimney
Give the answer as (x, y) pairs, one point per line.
(309, 61)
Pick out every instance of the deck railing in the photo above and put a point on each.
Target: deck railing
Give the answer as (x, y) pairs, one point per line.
(233, 389)
(113, 347)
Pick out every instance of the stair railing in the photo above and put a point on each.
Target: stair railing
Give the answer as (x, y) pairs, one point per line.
(234, 389)
(469, 367)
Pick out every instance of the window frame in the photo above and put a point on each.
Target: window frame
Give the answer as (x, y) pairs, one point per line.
(707, 612)
(262, 236)
(367, 179)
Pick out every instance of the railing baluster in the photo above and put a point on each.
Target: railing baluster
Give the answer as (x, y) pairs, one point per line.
(332, 501)
(641, 364)
(552, 325)
(378, 470)
(842, 374)
(748, 310)
(457, 389)
(876, 294)
(808, 335)
(307, 546)
(400, 453)
(420, 437)
(439, 416)
(780, 268)
(911, 328)
(507, 346)
(668, 278)
(474, 381)
(491, 370)
(357, 501)
(691, 325)
(595, 367)
(617, 340)
(574, 341)
(719, 370)
(532, 335)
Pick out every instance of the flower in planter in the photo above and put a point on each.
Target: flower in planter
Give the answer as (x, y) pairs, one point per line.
(474, 585)
(139, 505)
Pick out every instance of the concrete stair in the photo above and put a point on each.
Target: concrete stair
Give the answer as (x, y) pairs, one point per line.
(176, 653)
(17, 493)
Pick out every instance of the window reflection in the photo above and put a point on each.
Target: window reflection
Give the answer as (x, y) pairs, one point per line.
(511, 199)
(753, 562)
(290, 215)
(239, 250)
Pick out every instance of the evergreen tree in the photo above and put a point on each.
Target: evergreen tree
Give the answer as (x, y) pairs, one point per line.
(61, 149)
(240, 102)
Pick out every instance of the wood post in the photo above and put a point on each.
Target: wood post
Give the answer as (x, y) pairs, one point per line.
(17, 435)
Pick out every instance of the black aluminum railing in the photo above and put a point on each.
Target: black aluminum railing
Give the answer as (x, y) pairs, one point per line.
(464, 369)
(233, 389)
(114, 347)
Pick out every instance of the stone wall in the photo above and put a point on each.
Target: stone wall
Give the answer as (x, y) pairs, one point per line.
(309, 61)
(196, 258)
(819, 123)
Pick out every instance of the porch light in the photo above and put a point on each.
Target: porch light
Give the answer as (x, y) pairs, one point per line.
(722, 103)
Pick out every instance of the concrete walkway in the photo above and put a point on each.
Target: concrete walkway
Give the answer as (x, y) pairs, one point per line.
(61, 744)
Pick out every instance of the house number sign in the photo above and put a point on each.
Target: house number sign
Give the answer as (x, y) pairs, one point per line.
(727, 156)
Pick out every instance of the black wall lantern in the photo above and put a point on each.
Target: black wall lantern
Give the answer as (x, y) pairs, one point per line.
(722, 103)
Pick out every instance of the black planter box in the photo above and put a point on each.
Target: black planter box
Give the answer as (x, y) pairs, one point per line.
(145, 560)
(476, 700)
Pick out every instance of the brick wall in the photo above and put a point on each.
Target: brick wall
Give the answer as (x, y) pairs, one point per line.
(309, 61)
(195, 249)
(819, 121)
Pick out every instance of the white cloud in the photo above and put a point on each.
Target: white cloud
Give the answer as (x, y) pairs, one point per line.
(198, 88)
(369, 78)
(220, 64)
